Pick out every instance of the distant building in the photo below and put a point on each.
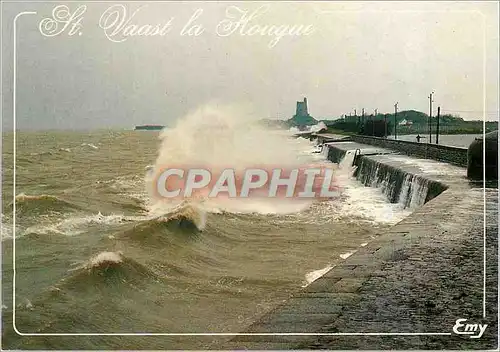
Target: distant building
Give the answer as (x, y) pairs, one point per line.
(302, 108)
(405, 122)
(302, 117)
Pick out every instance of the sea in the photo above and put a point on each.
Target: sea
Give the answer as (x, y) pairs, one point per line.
(90, 261)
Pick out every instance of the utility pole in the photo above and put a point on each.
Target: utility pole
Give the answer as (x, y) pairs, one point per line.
(437, 125)
(363, 121)
(385, 125)
(373, 122)
(395, 120)
(430, 115)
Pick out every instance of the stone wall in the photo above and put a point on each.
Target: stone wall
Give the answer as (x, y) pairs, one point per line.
(452, 155)
(398, 185)
(335, 155)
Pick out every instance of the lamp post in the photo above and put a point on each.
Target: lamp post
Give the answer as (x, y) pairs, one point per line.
(437, 124)
(430, 115)
(395, 120)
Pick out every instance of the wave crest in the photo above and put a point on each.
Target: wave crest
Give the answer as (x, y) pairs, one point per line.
(108, 268)
(186, 216)
(43, 203)
(161, 230)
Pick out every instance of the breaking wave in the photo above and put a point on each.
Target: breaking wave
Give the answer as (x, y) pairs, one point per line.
(76, 225)
(40, 204)
(215, 137)
(157, 230)
(109, 268)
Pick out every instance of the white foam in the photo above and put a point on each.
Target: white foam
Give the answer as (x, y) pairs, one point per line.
(6, 232)
(90, 145)
(347, 255)
(313, 128)
(105, 257)
(320, 126)
(73, 226)
(316, 274)
(196, 211)
(101, 258)
(359, 201)
(260, 206)
(218, 137)
(132, 187)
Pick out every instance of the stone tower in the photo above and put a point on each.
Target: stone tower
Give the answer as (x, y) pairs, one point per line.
(302, 108)
(302, 117)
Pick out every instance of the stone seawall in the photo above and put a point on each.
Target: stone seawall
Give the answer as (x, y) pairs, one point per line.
(406, 288)
(335, 155)
(398, 185)
(452, 155)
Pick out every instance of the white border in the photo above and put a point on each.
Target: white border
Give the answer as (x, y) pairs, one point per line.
(484, 166)
(219, 334)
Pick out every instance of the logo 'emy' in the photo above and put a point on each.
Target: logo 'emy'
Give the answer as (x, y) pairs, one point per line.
(474, 330)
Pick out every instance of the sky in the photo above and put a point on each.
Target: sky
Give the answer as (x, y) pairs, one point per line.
(341, 56)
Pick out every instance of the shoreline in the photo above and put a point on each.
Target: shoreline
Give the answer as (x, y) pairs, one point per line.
(417, 278)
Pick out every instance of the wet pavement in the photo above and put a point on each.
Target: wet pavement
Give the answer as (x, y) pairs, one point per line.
(407, 288)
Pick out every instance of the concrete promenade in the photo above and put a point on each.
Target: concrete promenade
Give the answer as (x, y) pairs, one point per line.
(410, 285)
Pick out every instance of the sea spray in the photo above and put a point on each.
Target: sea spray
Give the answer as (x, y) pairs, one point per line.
(359, 202)
(218, 137)
(104, 257)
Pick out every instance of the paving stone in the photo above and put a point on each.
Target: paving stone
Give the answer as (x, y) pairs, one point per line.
(311, 305)
(323, 284)
(290, 323)
(348, 285)
(419, 277)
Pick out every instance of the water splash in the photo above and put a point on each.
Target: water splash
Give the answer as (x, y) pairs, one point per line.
(220, 137)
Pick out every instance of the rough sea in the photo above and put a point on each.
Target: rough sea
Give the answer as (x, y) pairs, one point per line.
(85, 250)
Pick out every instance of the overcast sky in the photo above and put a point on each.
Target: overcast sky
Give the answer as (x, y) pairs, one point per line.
(359, 55)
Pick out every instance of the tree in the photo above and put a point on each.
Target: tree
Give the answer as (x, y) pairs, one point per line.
(375, 128)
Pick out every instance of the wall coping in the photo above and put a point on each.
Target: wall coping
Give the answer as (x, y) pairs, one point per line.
(396, 141)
